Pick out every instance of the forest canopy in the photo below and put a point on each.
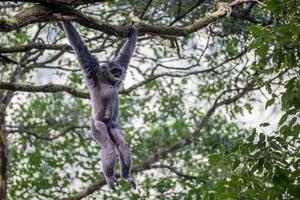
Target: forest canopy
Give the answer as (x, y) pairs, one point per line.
(209, 106)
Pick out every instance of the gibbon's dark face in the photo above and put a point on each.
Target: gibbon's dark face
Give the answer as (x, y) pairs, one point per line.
(114, 71)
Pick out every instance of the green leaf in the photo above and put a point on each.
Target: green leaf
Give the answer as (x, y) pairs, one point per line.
(281, 179)
(295, 174)
(214, 159)
(270, 102)
(256, 30)
(283, 119)
(268, 87)
(235, 164)
(254, 45)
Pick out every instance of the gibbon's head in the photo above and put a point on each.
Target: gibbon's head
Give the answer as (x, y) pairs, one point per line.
(113, 71)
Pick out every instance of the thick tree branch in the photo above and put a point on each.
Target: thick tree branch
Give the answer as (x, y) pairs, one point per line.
(3, 154)
(40, 46)
(48, 88)
(66, 2)
(53, 88)
(41, 13)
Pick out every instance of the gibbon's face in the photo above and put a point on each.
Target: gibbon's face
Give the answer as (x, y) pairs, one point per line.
(114, 71)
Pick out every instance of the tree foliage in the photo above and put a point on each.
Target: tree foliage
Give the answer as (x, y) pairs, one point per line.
(181, 104)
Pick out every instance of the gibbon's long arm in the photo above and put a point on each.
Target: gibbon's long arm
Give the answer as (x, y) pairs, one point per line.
(87, 61)
(126, 51)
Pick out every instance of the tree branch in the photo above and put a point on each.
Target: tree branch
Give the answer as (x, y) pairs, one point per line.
(3, 153)
(66, 2)
(48, 88)
(175, 171)
(48, 138)
(178, 18)
(40, 13)
(52, 88)
(40, 46)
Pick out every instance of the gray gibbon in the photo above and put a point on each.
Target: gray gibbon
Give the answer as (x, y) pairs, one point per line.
(103, 82)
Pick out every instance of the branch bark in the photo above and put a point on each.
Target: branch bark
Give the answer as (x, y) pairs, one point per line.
(40, 46)
(66, 2)
(48, 88)
(41, 13)
(3, 154)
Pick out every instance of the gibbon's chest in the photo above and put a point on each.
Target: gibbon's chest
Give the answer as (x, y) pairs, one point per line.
(108, 91)
(104, 92)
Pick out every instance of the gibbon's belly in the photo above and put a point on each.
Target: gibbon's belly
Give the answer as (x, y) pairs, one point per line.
(107, 92)
(104, 101)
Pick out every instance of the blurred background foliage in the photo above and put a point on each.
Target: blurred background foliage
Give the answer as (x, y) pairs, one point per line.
(52, 154)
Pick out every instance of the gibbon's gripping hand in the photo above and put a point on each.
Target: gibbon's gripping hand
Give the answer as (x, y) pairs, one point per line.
(133, 32)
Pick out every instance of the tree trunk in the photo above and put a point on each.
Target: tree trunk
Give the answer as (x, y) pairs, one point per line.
(3, 154)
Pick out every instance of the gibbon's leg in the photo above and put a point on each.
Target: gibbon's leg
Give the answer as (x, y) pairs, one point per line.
(123, 151)
(108, 152)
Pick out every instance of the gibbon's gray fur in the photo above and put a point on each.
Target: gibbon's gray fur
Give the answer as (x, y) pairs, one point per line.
(103, 82)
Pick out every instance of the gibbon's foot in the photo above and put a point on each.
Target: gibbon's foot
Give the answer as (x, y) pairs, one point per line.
(131, 182)
(112, 182)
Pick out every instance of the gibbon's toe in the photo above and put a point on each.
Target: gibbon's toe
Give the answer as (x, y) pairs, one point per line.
(131, 182)
(112, 182)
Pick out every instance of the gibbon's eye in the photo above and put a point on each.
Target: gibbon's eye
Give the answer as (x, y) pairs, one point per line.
(105, 66)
